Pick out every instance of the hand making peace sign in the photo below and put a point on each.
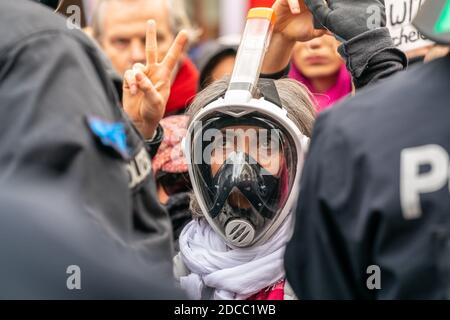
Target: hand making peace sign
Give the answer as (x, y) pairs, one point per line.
(146, 88)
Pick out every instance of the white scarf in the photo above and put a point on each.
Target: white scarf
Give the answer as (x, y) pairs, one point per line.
(234, 274)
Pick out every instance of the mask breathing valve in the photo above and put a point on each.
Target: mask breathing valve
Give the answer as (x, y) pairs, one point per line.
(239, 232)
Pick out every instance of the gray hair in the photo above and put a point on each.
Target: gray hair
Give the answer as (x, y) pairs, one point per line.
(294, 96)
(178, 19)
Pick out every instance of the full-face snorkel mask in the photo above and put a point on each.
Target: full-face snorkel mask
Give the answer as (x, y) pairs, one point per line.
(245, 155)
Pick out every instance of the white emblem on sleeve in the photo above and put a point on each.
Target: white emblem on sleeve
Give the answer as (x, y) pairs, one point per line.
(139, 168)
(413, 182)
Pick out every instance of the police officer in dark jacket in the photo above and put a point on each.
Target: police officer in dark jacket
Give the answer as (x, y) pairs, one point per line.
(373, 216)
(62, 125)
(50, 250)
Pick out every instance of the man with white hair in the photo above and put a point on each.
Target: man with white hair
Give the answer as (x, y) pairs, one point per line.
(119, 27)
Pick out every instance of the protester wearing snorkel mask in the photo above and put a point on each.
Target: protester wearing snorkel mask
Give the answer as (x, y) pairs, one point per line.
(245, 194)
(233, 249)
(245, 148)
(245, 184)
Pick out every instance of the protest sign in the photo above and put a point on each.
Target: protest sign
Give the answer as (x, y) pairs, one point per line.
(399, 15)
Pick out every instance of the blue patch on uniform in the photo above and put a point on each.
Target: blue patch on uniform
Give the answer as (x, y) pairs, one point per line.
(110, 134)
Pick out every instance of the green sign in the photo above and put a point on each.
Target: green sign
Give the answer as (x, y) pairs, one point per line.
(443, 23)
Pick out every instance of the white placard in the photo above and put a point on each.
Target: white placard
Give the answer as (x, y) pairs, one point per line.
(399, 15)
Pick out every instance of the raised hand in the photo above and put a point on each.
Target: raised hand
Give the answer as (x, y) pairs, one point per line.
(146, 88)
(349, 18)
(294, 22)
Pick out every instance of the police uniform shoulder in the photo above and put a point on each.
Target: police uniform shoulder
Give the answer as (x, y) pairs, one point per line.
(391, 100)
(21, 20)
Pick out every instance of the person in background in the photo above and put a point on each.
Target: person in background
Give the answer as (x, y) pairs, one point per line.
(171, 173)
(216, 60)
(369, 53)
(381, 60)
(119, 27)
(318, 65)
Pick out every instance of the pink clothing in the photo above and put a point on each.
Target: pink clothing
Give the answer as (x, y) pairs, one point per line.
(275, 292)
(170, 157)
(327, 99)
